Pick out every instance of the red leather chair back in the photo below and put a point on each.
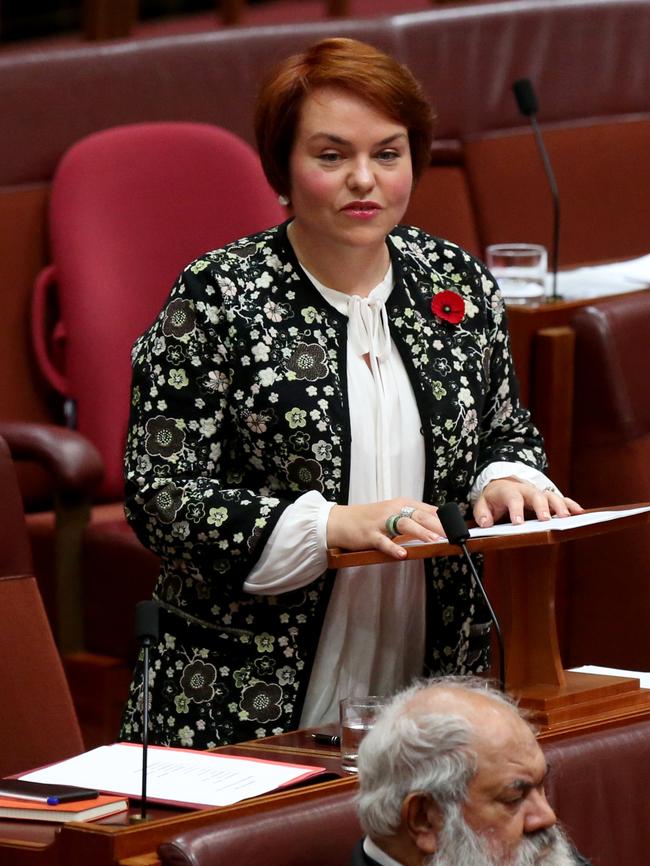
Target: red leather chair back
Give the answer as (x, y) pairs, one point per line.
(320, 830)
(441, 203)
(604, 189)
(38, 723)
(15, 554)
(598, 784)
(612, 376)
(131, 206)
(608, 579)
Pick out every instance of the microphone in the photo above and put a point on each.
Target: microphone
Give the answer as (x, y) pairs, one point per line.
(457, 533)
(527, 104)
(146, 632)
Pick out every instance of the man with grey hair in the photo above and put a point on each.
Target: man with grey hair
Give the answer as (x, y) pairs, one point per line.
(452, 775)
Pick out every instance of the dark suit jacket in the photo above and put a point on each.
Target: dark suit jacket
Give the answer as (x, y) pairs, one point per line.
(360, 858)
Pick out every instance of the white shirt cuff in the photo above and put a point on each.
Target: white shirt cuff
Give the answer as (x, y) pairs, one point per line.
(296, 552)
(503, 469)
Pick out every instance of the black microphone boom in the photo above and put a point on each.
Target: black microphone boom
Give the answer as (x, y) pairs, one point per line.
(146, 632)
(526, 97)
(457, 532)
(527, 104)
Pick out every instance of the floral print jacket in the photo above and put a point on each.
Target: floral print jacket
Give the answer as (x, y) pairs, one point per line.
(239, 405)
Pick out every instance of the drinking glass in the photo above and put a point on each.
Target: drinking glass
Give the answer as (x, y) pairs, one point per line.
(520, 270)
(358, 715)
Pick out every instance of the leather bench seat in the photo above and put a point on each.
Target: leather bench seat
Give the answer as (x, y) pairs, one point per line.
(597, 784)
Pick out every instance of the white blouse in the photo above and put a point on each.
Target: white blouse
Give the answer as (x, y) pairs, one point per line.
(372, 641)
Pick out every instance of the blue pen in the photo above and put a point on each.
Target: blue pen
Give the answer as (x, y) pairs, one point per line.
(33, 798)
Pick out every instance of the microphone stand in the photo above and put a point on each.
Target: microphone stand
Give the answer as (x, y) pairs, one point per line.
(457, 533)
(146, 618)
(527, 104)
(555, 196)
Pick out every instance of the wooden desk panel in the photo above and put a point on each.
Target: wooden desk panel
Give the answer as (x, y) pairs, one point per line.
(108, 843)
(525, 567)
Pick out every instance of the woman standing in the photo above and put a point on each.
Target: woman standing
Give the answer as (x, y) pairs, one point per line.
(326, 383)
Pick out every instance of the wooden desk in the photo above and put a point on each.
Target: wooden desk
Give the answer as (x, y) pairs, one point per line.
(115, 841)
(526, 567)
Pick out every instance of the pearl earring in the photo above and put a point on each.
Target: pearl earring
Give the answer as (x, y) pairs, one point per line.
(283, 200)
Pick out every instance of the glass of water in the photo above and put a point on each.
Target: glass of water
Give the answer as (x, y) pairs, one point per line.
(357, 718)
(520, 270)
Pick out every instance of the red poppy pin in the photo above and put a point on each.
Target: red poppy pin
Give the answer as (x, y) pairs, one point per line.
(448, 306)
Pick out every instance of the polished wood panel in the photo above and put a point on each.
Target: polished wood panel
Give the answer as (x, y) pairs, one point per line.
(553, 398)
(116, 841)
(525, 568)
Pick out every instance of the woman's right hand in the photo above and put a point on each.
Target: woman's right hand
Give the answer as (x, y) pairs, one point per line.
(361, 527)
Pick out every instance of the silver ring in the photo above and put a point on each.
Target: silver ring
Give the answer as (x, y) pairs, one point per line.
(391, 525)
(406, 511)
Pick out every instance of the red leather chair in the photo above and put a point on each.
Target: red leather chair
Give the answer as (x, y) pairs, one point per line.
(603, 185)
(597, 785)
(312, 828)
(38, 723)
(130, 207)
(608, 577)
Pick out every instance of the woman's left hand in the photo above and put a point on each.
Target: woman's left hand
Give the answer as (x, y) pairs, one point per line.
(512, 496)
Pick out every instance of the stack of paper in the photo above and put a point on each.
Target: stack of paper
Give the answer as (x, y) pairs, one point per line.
(600, 280)
(83, 810)
(175, 775)
(642, 676)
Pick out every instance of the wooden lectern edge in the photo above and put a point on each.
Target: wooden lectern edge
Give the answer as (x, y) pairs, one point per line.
(338, 558)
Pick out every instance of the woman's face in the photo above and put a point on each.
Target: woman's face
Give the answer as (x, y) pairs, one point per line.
(350, 169)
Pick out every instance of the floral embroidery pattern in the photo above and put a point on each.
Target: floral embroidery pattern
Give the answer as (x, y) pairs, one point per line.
(239, 407)
(308, 362)
(179, 319)
(197, 680)
(305, 474)
(261, 702)
(166, 503)
(164, 438)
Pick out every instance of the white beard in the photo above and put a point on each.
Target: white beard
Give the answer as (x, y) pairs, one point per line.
(461, 846)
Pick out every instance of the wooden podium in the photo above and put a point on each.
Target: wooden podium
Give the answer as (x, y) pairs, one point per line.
(558, 701)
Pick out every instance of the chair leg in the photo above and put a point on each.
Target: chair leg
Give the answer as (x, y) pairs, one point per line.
(231, 10)
(71, 519)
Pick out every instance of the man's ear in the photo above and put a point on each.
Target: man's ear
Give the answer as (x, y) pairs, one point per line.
(422, 819)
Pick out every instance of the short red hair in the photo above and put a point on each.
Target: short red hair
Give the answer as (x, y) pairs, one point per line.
(349, 65)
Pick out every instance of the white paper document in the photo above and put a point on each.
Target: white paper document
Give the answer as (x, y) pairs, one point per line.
(176, 775)
(600, 280)
(561, 523)
(642, 676)
(555, 523)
